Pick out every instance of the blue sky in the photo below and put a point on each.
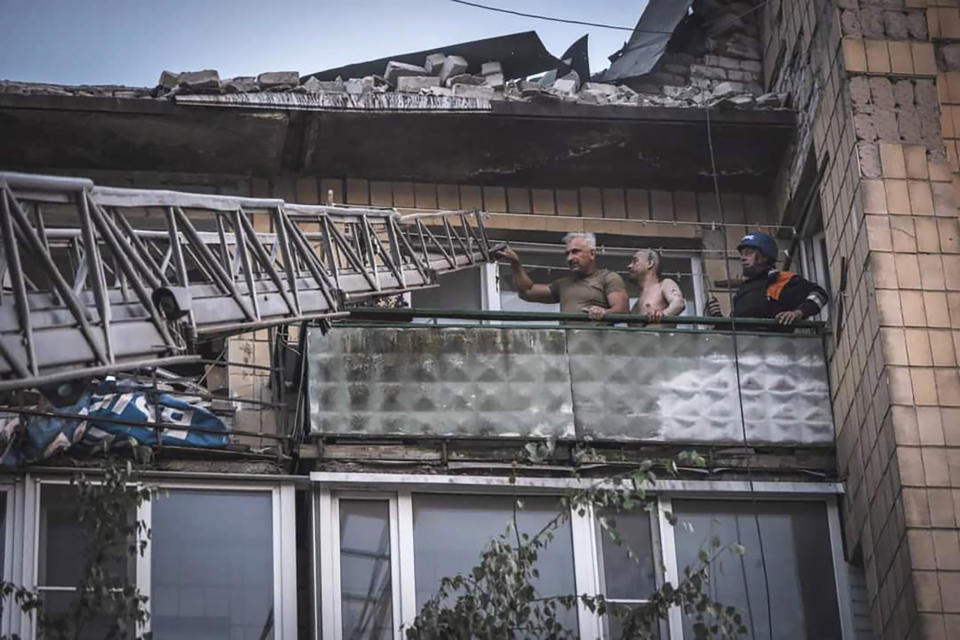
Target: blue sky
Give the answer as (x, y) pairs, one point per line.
(131, 41)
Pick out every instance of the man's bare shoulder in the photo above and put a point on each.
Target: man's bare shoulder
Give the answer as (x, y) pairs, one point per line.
(668, 286)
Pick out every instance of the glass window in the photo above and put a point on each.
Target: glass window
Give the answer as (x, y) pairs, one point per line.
(61, 559)
(547, 265)
(802, 600)
(365, 593)
(212, 565)
(451, 531)
(460, 290)
(622, 578)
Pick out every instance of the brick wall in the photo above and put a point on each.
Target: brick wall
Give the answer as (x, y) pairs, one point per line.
(875, 112)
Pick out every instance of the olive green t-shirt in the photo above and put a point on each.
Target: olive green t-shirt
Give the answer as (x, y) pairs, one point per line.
(576, 292)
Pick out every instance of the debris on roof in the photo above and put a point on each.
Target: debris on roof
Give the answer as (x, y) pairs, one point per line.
(683, 53)
(648, 40)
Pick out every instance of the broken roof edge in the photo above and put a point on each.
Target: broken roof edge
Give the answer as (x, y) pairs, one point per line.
(521, 54)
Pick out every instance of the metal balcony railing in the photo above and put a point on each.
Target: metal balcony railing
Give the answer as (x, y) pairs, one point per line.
(709, 380)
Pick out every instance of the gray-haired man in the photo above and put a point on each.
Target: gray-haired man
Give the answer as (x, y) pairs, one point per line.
(586, 290)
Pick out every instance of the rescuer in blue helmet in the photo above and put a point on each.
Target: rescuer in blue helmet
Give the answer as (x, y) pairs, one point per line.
(767, 292)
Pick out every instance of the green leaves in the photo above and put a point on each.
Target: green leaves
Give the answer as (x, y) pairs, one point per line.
(112, 537)
(497, 599)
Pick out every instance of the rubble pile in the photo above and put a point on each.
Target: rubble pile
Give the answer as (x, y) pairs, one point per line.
(712, 59)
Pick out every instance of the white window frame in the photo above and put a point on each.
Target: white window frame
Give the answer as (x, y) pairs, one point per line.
(586, 553)
(814, 265)
(490, 280)
(283, 537)
(12, 547)
(333, 622)
(831, 502)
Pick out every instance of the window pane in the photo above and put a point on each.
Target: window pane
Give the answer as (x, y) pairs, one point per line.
(458, 290)
(57, 604)
(61, 554)
(451, 531)
(623, 577)
(799, 568)
(212, 565)
(366, 599)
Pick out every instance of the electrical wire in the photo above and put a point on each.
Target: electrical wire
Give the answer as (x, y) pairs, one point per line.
(552, 19)
(600, 25)
(743, 422)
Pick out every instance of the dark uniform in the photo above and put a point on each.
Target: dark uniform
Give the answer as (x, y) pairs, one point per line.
(766, 295)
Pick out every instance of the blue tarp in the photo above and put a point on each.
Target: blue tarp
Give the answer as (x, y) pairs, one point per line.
(25, 438)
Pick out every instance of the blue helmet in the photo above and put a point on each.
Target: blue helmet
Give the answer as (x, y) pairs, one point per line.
(761, 242)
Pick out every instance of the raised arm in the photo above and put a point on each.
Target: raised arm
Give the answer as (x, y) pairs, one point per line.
(526, 288)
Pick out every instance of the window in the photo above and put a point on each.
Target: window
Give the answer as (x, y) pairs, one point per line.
(813, 265)
(383, 551)
(366, 599)
(61, 559)
(491, 286)
(212, 565)
(546, 263)
(623, 579)
(216, 565)
(451, 531)
(794, 594)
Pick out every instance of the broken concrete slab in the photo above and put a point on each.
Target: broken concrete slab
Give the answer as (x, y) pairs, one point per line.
(241, 84)
(396, 70)
(724, 89)
(600, 87)
(199, 81)
(473, 91)
(416, 83)
(494, 80)
(313, 85)
(169, 80)
(277, 79)
(452, 66)
(573, 75)
(490, 68)
(565, 86)
(434, 63)
(465, 78)
(358, 86)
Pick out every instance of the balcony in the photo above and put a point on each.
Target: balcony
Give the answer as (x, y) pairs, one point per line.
(571, 382)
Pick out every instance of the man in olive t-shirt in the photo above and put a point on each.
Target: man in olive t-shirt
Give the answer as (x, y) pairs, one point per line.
(586, 290)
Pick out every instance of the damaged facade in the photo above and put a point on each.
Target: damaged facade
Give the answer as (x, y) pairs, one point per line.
(828, 124)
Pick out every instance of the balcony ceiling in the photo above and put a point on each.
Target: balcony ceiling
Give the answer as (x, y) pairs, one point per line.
(515, 143)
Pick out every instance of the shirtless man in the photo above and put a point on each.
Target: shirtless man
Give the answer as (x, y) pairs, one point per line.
(658, 298)
(588, 289)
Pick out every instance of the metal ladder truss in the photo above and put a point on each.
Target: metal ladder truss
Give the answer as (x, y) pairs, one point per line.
(96, 279)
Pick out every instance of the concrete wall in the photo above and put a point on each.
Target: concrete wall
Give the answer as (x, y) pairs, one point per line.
(872, 100)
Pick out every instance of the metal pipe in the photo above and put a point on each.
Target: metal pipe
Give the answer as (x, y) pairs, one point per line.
(31, 181)
(19, 292)
(244, 327)
(366, 313)
(55, 378)
(95, 269)
(30, 235)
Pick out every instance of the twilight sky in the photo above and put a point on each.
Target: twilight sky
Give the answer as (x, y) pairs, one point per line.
(131, 41)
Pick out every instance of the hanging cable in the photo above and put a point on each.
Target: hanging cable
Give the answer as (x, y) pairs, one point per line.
(743, 422)
(600, 25)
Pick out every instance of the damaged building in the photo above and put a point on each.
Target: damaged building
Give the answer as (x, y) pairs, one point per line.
(286, 286)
